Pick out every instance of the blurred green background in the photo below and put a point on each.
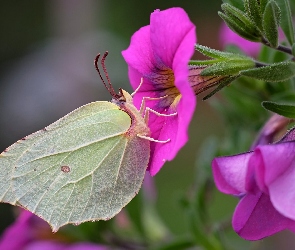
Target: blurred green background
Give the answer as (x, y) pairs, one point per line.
(46, 70)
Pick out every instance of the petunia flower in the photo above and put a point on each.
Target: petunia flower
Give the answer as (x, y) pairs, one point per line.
(32, 233)
(264, 180)
(159, 53)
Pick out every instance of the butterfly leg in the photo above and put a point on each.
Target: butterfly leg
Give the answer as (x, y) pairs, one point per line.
(152, 139)
(146, 117)
(144, 99)
(148, 110)
(139, 86)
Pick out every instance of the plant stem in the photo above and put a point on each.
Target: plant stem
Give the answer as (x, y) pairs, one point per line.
(260, 64)
(281, 48)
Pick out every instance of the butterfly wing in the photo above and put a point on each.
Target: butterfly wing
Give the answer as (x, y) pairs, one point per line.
(77, 169)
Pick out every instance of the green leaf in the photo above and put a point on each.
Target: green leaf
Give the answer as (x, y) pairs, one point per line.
(220, 55)
(237, 28)
(81, 168)
(236, 3)
(286, 22)
(281, 109)
(271, 22)
(228, 67)
(276, 72)
(217, 54)
(239, 19)
(263, 4)
(253, 11)
(203, 62)
(235, 13)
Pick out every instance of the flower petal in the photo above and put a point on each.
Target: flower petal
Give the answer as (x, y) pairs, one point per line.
(276, 172)
(271, 161)
(21, 228)
(160, 152)
(230, 173)
(146, 89)
(139, 54)
(282, 193)
(170, 30)
(256, 218)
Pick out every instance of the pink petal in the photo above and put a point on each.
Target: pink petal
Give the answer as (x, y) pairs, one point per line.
(230, 172)
(140, 55)
(146, 89)
(282, 192)
(160, 153)
(172, 29)
(276, 171)
(256, 218)
(271, 161)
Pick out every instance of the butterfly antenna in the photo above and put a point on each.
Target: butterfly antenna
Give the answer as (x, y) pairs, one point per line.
(98, 71)
(110, 88)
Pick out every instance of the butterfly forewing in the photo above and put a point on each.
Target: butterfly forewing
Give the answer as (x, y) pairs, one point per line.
(80, 168)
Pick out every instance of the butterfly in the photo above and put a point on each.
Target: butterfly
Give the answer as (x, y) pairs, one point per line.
(86, 166)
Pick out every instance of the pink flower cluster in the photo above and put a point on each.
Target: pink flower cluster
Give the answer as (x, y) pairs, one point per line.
(264, 181)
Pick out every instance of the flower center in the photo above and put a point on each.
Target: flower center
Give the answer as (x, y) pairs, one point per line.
(164, 85)
(163, 81)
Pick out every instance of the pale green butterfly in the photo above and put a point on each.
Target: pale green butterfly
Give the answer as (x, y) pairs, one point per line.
(84, 167)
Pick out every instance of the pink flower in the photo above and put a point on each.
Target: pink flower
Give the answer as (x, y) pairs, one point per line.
(31, 232)
(228, 37)
(264, 179)
(160, 53)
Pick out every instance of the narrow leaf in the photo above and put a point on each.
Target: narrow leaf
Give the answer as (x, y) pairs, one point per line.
(253, 11)
(286, 22)
(240, 18)
(276, 72)
(213, 53)
(237, 28)
(281, 109)
(263, 4)
(229, 67)
(271, 22)
(236, 3)
(203, 62)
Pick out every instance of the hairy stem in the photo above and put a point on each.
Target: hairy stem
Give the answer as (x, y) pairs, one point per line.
(281, 48)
